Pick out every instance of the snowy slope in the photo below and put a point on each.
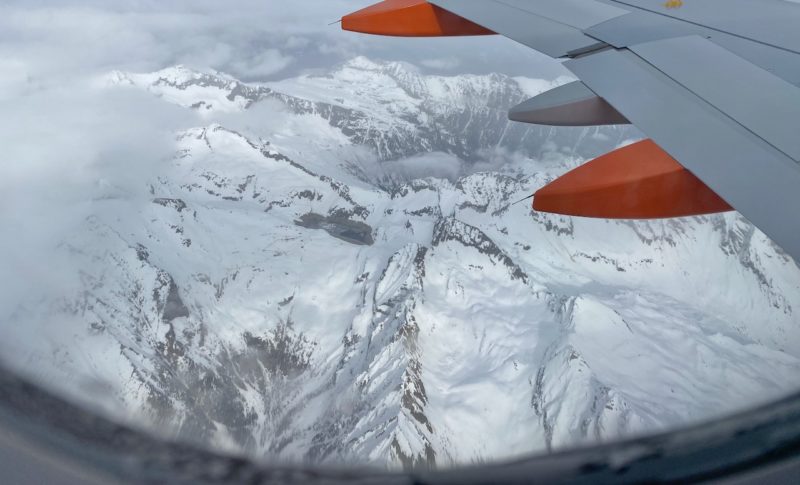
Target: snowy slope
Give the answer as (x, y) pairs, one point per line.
(389, 107)
(288, 292)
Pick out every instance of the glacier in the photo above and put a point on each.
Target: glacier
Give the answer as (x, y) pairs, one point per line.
(332, 269)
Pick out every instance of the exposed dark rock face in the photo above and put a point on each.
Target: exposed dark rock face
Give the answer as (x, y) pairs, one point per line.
(451, 229)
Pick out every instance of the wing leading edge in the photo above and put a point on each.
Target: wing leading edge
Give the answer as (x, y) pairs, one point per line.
(714, 87)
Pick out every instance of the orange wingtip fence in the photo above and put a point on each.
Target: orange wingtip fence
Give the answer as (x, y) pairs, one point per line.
(410, 18)
(638, 181)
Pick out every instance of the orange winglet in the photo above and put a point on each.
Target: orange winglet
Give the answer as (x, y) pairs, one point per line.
(410, 18)
(639, 181)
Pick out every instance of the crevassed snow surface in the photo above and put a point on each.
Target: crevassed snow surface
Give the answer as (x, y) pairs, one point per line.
(292, 291)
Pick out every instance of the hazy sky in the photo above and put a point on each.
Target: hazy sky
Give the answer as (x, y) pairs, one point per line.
(251, 39)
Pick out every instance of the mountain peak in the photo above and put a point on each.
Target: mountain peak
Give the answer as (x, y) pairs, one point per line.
(364, 63)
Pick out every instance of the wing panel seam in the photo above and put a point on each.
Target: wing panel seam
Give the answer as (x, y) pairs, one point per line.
(716, 108)
(698, 24)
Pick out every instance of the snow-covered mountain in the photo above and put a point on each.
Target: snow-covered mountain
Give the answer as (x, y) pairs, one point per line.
(390, 108)
(293, 290)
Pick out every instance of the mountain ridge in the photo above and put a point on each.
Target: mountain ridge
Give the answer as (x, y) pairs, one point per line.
(283, 295)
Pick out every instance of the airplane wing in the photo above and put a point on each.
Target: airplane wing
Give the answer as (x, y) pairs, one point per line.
(714, 84)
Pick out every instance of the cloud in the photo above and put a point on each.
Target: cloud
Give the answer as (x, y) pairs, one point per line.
(434, 164)
(259, 39)
(142, 35)
(67, 143)
(296, 42)
(14, 78)
(260, 65)
(447, 63)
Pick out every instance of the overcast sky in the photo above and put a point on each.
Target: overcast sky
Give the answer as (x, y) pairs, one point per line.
(251, 39)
